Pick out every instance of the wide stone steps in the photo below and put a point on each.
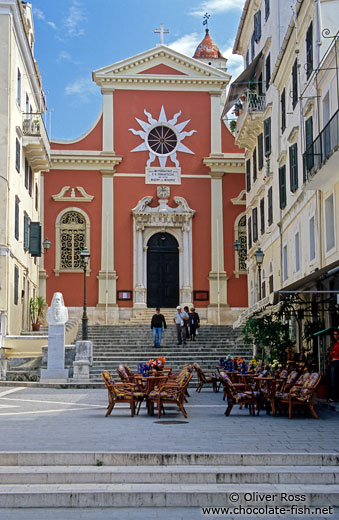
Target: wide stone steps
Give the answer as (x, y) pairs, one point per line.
(172, 480)
(114, 345)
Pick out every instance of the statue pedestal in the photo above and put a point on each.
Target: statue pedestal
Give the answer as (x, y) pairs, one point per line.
(83, 360)
(55, 355)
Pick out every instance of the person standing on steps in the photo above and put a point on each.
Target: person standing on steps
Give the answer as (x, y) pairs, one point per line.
(186, 309)
(158, 323)
(179, 319)
(194, 323)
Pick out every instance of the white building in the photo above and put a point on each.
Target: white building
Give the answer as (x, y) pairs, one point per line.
(289, 126)
(24, 152)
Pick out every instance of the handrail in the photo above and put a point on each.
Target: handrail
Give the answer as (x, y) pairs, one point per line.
(322, 147)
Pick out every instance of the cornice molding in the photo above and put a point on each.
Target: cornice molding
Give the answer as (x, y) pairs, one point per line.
(225, 163)
(83, 160)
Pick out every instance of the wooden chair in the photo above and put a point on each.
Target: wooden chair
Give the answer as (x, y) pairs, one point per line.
(304, 395)
(121, 393)
(235, 397)
(205, 377)
(171, 392)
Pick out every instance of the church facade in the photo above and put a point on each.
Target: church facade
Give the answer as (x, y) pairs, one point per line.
(154, 190)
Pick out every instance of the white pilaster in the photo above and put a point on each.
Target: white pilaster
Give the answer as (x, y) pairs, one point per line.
(107, 276)
(42, 272)
(107, 124)
(215, 123)
(217, 277)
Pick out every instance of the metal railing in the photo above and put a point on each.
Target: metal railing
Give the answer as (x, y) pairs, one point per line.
(322, 147)
(255, 103)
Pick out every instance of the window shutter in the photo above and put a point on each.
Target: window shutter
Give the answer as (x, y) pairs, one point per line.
(30, 181)
(267, 135)
(309, 156)
(257, 26)
(282, 186)
(295, 83)
(249, 232)
(255, 171)
(16, 223)
(270, 205)
(35, 239)
(255, 224)
(26, 232)
(16, 285)
(268, 71)
(262, 216)
(293, 152)
(260, 151)
(17, 155)
(309, 51)
(267, 9)
(283, 110)
(248, 174)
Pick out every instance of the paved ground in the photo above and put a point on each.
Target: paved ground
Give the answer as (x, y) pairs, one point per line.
(46, 419)
(41, 419)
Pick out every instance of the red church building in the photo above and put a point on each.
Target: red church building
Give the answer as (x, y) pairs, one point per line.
(155, 190)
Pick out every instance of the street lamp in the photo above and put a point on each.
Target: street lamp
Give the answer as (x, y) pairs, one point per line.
(85, 255)
(46, 244)
(259, 258)
(236, 246)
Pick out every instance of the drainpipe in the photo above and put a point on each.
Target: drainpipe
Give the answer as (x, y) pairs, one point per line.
(317, 33)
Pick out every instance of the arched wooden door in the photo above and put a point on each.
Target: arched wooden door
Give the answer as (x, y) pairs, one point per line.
(162, 271)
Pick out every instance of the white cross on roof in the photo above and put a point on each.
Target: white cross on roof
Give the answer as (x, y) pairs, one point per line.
(161, 31)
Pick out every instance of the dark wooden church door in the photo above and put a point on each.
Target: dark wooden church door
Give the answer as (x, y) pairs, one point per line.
(162, 271)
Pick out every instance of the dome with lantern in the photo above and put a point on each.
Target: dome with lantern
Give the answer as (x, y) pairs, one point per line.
(208, 52)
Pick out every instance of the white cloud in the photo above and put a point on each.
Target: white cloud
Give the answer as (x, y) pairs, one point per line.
(52, 24)
(38, 14)
(75, 19)
(64, 56)
(235, 63)
(186, 44)
(83, 88)
(217, 6)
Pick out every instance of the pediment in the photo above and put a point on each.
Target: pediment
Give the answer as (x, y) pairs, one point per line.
(171, 66)
(161, 69)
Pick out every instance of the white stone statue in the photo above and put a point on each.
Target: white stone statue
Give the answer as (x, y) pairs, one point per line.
(57, 313)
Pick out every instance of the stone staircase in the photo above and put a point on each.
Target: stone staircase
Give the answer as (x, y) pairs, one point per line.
(144, 316)
(168, 480)
(113, 345)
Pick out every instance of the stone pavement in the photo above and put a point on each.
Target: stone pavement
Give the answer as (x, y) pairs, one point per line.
(38, 419)
(47, 419)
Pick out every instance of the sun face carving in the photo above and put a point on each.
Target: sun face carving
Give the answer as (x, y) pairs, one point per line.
(162, 138)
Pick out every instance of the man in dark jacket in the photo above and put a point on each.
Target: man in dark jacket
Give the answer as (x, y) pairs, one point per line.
(157, 324)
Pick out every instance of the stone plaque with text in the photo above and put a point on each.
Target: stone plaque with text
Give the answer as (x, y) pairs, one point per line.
(163, 176)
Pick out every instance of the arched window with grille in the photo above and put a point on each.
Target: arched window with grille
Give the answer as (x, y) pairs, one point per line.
(72, 236)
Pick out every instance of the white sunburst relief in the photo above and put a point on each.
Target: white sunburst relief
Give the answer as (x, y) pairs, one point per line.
(162, 138)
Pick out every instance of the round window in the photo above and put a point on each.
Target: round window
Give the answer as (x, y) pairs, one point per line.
(162, 140)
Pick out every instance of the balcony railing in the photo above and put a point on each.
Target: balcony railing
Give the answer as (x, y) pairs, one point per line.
(322, 147)
(32, 124)
(255, 103)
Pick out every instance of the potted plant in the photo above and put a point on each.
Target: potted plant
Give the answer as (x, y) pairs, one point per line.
(37, 308)
(237, 108)
(233, 125)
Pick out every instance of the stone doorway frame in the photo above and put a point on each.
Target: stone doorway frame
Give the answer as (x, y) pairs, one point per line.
(148, 221)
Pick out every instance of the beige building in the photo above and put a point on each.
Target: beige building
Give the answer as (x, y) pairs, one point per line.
(287, 101)
(24, 152)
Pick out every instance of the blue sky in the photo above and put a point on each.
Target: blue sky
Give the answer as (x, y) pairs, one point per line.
(75, 37)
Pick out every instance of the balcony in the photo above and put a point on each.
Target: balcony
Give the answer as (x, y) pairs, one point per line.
(250, 119)
(320, 162)
(35, 142)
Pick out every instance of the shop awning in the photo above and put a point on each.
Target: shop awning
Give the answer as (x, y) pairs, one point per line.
(240, 84)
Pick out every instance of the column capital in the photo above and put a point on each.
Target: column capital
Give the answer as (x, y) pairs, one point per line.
(107, 173)
(216, 174)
